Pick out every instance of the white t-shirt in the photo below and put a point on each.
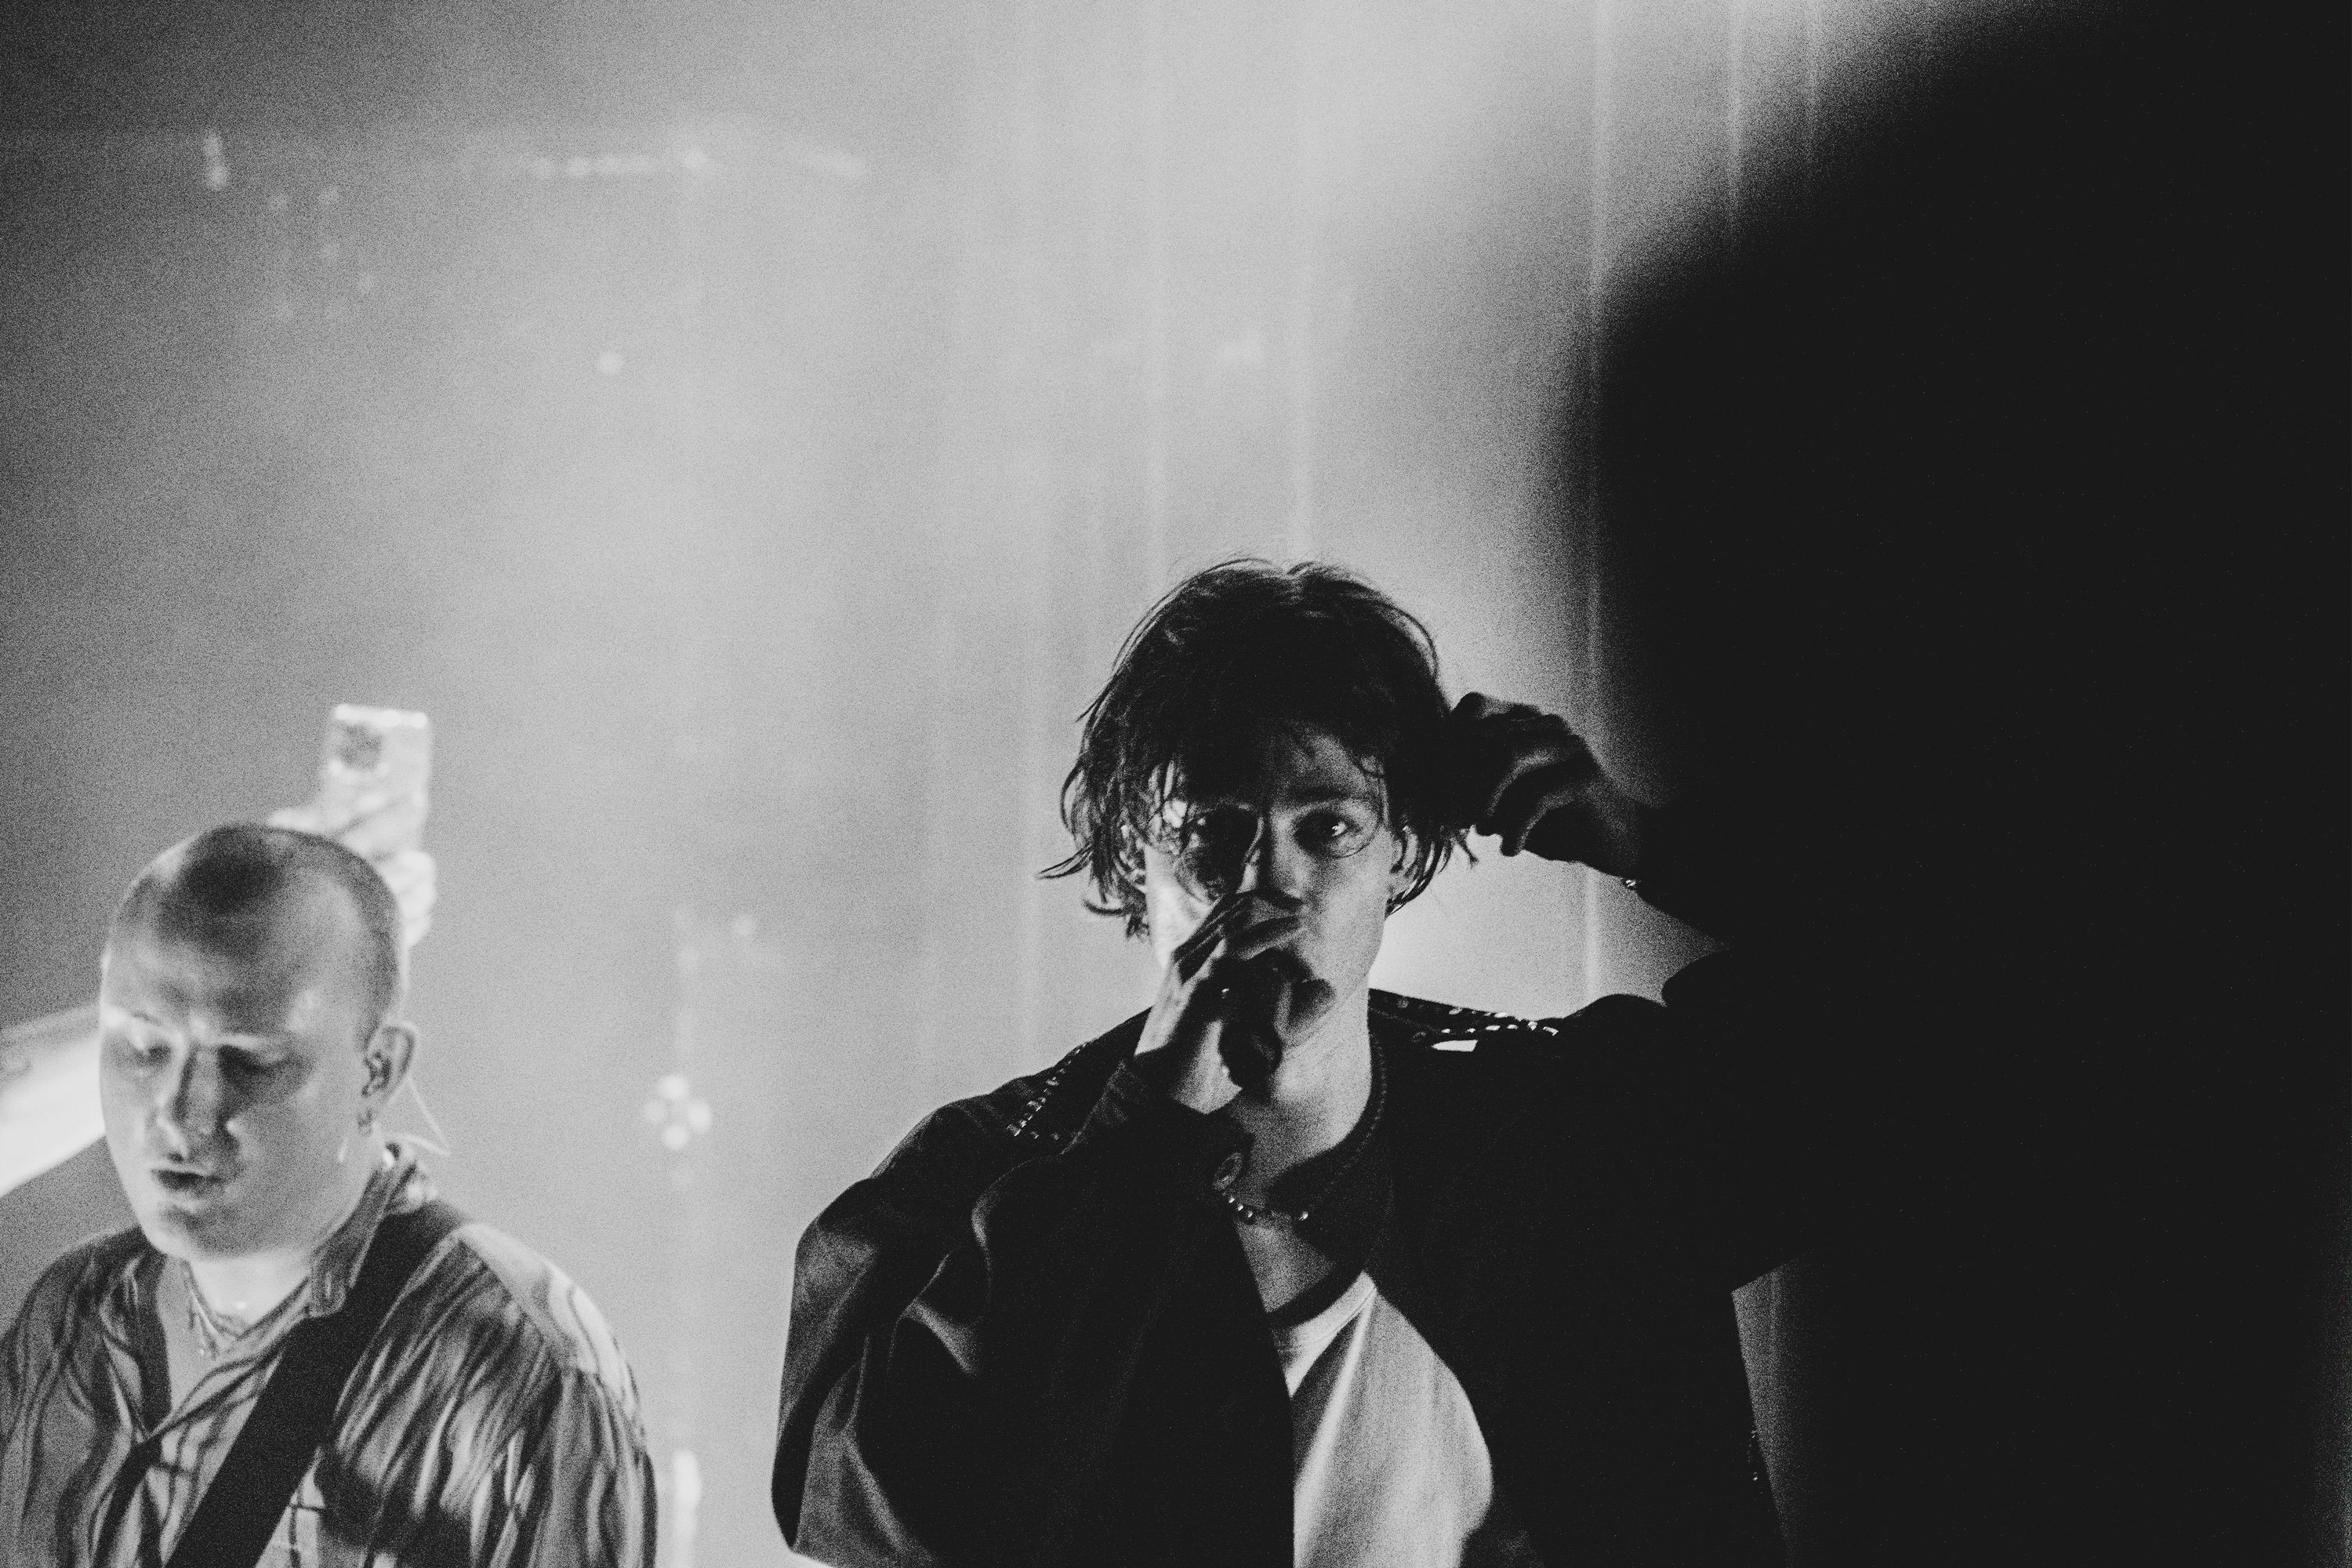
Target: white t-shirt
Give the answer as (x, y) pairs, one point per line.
(1388, 1466)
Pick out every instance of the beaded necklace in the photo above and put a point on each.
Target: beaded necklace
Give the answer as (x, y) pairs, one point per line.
(1267, 1214)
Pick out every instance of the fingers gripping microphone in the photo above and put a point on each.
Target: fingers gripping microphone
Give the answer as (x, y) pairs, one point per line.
(1250, 1040)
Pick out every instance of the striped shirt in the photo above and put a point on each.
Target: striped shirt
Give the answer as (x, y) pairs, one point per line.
(491, 1422)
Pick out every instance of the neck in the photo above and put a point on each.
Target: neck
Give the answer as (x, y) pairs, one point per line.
(246, 1287)
(1315, 1096)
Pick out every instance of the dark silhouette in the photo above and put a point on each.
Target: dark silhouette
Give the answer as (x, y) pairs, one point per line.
(1985, 514)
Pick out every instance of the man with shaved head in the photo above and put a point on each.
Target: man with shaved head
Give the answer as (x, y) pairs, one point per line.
(297, 1355)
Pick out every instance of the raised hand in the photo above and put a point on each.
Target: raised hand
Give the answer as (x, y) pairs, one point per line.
(1523, 775)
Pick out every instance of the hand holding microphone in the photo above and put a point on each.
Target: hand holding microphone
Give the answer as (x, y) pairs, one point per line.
(1213, 1028)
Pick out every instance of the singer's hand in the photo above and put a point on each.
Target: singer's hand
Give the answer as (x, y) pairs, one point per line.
(1180, 1048)
(375, 828)
(1523, 775)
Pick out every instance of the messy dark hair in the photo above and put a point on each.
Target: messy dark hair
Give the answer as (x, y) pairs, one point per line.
(1229, 653)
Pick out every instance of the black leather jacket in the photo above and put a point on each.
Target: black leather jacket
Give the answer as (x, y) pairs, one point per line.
(1031, 1336)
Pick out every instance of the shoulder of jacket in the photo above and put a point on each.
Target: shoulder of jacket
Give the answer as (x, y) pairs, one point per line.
(1418, 1024)
(928, 1183)
(1042, 1112)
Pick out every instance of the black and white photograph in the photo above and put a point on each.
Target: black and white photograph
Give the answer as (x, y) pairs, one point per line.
(1044, 785)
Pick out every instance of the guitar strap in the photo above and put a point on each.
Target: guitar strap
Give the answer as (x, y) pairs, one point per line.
(296, 1412)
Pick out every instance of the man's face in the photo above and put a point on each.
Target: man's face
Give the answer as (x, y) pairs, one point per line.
(1307, 833)
(232, 1075)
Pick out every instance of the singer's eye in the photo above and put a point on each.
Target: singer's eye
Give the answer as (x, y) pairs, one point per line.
(1211, 847)
(1219, 829)
(1334, 833)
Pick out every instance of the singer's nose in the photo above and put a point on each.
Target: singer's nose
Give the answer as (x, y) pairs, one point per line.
(1270, 866)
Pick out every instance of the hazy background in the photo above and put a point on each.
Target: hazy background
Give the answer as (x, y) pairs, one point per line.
(749, 431)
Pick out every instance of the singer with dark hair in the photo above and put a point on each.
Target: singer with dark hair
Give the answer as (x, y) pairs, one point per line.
(1285, 1270)
(1239, 651)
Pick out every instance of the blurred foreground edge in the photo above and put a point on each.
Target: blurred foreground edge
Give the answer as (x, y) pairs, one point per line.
(48, 1093)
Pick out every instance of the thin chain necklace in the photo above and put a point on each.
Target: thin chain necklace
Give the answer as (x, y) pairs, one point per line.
(1267, 1214)
(215, 1333)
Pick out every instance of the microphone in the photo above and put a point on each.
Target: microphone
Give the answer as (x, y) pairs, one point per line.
(1250, 1042)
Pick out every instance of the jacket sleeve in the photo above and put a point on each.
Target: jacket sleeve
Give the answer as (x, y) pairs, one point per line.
(1707, 865)
(964, 1336)
(1745, 1112)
